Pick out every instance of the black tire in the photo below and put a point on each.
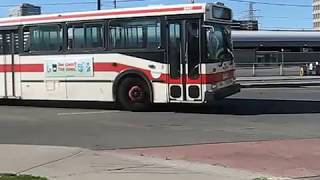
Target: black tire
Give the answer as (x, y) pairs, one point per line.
(134, 95)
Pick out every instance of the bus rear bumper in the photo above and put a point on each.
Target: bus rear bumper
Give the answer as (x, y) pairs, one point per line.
(222, 93)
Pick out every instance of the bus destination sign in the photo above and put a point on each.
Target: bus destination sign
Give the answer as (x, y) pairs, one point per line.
(215, 12)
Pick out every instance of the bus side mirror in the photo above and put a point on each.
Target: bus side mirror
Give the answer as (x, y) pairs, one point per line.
(209, 27)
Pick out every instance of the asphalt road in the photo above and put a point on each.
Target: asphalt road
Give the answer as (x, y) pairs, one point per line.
(253, 115)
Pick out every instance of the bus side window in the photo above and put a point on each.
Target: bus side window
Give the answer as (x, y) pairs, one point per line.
(78, 38)
(94, 35)
(153, 37)
(43, 38)
(118, 35)
(70, 38)
(134, 34)
(1, 44)
(85, 36)
(6, 42)
(26, 40)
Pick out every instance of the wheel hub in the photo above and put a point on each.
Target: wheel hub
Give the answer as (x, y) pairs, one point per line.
(136, 93)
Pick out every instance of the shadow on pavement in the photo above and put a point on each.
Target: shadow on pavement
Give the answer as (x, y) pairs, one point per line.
(62, 104)
(254, 107)
(228, 106)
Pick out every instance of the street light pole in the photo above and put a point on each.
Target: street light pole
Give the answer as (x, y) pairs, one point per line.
(282, 62)
(99, 4)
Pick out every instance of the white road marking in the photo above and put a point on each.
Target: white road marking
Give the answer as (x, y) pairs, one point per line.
(86, 113)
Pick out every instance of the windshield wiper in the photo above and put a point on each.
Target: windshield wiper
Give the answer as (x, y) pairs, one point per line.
(231, 54)
(228, 53)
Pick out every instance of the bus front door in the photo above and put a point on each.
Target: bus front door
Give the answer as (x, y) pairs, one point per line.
(183, 57)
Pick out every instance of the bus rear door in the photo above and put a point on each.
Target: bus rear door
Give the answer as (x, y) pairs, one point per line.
(9, 63)
(183, 57)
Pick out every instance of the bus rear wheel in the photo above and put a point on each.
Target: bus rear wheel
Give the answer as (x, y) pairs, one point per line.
(134, 94)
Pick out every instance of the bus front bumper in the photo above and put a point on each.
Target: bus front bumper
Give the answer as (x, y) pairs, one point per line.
(222, 93)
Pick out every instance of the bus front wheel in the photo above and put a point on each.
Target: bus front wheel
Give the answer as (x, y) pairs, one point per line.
(134, 94)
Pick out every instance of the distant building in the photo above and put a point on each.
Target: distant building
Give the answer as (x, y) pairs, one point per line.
(249, 25)
(267, 47)
(25, 10)
(316, 14)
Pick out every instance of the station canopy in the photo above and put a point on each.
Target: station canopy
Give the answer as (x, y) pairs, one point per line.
(276, 38)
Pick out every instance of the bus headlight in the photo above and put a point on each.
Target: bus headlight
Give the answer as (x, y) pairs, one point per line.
(214, 86)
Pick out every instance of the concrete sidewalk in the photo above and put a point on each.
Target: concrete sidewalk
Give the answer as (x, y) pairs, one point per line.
(62, 163)
(296, 159)
(279, 81)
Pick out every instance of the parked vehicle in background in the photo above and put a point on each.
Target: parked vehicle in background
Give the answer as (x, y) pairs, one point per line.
(310, 69)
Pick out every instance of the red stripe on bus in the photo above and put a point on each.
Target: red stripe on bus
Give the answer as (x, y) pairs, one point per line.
(218, 77)
(21, 68)
(116, 67)
(5, 68)
(203, 79)
(31, 68)
(72, 16)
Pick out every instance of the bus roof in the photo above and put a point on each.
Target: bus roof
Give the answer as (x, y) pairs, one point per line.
(106, 14)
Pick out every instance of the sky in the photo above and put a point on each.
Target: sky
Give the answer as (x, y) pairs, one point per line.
(269, 16)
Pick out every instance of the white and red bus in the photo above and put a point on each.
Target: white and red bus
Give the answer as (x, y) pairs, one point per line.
(133, 56)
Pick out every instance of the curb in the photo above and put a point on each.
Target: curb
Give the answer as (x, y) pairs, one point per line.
(277, 85)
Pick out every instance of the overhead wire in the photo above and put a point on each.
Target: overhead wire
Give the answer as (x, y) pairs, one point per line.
(273, 4)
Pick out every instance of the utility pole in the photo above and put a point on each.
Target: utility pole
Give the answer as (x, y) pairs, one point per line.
(114, 4)
(252, 11)
(99, 4)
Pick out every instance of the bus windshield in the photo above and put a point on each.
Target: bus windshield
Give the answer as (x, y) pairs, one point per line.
(219, 44)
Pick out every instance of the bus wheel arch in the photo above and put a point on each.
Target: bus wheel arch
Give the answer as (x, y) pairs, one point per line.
(133, 75)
